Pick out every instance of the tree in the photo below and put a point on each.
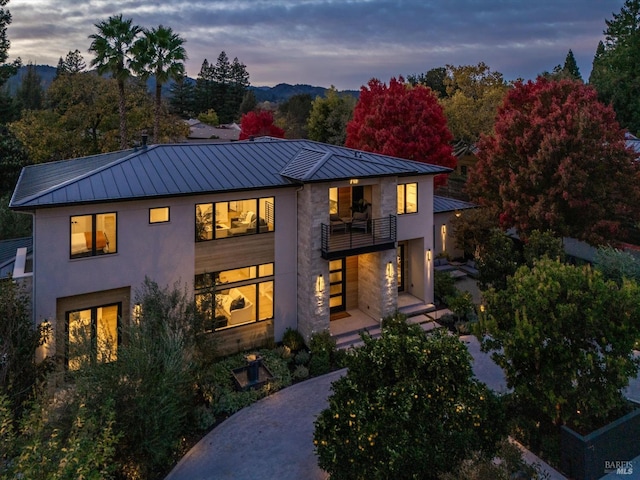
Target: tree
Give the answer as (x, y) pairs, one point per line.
(12, 224)
(13, 159)
(259, 124)
(159, 53)
(617, 265)
(435, 79)
(293, 114)
(112, 47)
(210, 117)
(182, 97)
(329, 117)
(542, 244)
(408, 407)
(19, 339)
(7, 70)
(564, 338)
(557, 161)
(472, 229)
(568, 71)
(615, 72)
(249, 102)
(474, 93)
(73, 63)
(498, 262)
(401, 121)
(30, 93)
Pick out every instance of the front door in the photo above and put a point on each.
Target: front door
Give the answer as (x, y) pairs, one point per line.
(337, 286)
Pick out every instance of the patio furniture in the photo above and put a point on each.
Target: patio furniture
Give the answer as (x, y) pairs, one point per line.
(337, 223)
(360, 220)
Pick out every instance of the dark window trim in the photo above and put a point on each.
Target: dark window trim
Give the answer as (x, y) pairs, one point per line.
(94, 252)
(94, 321)
(158, 208)
(404, 199)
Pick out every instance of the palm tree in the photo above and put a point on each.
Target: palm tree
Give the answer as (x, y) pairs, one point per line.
(112, 47)
(160, 53)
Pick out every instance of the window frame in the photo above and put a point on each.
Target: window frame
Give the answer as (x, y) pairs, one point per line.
(160, 221)
(94, 329)
(210, 285)
(405, 197)
(94, 252)
(201, 232)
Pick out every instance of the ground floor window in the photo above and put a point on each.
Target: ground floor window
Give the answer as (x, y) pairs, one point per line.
(235, 297)
(93, 335)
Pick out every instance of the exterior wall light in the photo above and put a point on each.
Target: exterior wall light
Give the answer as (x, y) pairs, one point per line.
(320, 284)
(353, 181)
(389, 271)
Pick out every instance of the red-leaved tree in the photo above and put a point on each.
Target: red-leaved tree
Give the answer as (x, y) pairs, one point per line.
(402, 121)
(557, 161)
(259, 124)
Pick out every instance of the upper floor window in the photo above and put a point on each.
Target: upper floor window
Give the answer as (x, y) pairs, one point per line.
(93, 234)
(238, 217)
(407, 198)
(159, 215)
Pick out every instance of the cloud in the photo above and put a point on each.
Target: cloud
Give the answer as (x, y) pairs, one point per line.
(326, 42)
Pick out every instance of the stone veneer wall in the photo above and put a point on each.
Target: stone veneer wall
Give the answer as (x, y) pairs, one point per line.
(378, 293)
(313, 308)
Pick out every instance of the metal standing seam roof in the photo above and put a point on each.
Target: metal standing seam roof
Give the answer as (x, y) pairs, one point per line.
(447, 204)
(189, 169)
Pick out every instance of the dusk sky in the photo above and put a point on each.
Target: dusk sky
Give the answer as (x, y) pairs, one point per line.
(333, 42)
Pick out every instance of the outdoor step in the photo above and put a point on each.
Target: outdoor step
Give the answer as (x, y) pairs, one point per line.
(417, 309)
(352, 339)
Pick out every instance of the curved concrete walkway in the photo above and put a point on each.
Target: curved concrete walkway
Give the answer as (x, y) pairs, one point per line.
(272, 438)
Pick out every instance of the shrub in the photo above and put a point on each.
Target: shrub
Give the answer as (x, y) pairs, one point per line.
(320, 363)
(408, 407)
(461, 305)
(322, 342)
(302, 357)
(293, 339)
(300, 373)
(443, 286)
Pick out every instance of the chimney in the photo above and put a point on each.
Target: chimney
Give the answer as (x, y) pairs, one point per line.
(144, 140)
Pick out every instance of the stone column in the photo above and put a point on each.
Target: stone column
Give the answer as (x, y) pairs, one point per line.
(313, 270)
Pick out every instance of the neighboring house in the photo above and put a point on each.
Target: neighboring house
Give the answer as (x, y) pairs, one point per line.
(268, 224)
(444, 210)
(16, 257)
(202, 131)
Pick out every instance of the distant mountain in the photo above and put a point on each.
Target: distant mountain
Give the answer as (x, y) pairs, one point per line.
(277, 94)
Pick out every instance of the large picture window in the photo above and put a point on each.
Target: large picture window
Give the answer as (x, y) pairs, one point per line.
(92, 335)
(239, 217)
(407, 198)
(235, 297)
(93, 235)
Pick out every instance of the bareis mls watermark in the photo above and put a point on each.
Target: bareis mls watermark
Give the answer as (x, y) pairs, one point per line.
(618, 467)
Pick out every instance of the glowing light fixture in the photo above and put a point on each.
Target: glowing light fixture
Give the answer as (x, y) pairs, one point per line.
(389, 270)
(320, 284)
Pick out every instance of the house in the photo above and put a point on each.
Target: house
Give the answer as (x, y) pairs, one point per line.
(263, 233)
(199, 131)
(444, 210)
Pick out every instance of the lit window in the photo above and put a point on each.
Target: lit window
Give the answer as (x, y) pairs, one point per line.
(235, 218)
(159, 215)
(233, 297)
(93, 235)
(92, 335)
(407, 198)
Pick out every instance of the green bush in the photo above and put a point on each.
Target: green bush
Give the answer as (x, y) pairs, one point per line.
(302, 357)
(322, 342)
(443, 286)
(408, 407)
(320, 363)
(301, 372)
(293, 339)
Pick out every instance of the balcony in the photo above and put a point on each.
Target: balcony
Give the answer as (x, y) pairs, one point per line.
(349, 239)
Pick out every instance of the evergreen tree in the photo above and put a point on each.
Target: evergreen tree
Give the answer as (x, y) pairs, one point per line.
(182, 97)
(30, 92)
(203, 91)
(329, 117)
(249, 102)
(570, 67)
(7, 70)
(616, 71)
(73, 63)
